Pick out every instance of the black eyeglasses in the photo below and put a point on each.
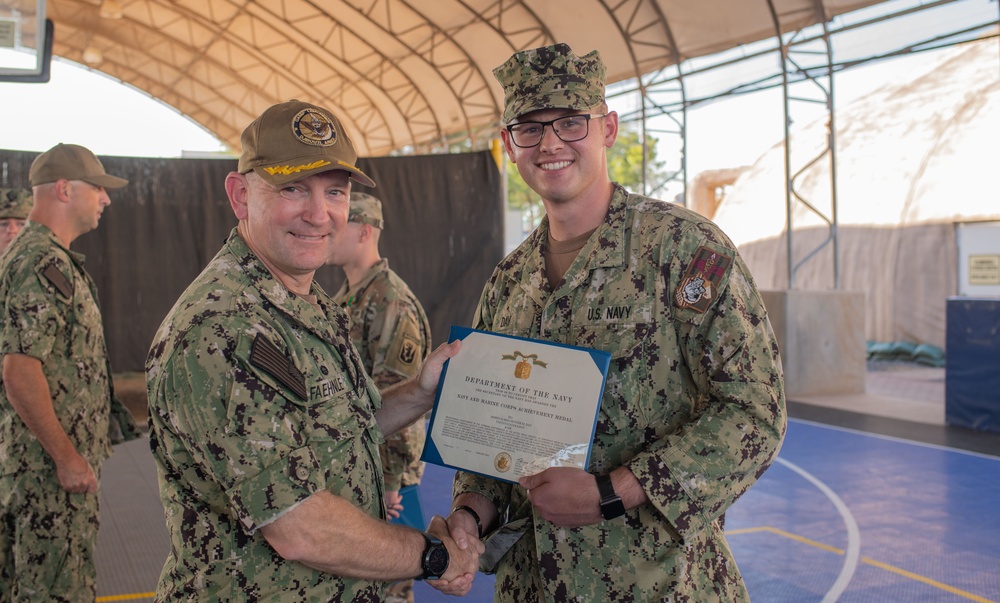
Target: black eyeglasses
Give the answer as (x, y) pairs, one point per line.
(570, 128)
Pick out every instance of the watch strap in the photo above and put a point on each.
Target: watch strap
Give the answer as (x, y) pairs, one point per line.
(475, 516)
(611, 503)
(427, 559)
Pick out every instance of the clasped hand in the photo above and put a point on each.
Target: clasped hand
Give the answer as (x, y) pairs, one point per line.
(464, 549)
(565, 496)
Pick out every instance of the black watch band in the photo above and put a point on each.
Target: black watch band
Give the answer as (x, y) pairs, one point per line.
(434, 561)
(611, 503)
(475, 516)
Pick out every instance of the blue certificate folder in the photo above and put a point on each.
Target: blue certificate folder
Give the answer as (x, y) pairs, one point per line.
(413, 511)
(581, 359)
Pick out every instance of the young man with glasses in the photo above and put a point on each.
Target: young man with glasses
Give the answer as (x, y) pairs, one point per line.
(693, 410)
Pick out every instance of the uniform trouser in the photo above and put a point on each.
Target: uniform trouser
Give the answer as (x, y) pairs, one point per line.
(47, 540)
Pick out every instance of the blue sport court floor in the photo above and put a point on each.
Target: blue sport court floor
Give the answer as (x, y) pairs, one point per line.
(843, 515)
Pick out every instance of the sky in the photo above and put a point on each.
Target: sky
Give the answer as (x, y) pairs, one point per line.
(86, 107)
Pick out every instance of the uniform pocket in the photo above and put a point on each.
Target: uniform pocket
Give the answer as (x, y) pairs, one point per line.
(625, 405)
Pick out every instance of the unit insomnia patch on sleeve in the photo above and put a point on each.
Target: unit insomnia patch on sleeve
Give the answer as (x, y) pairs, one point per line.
(265, 355)
(701, 281)
(404, 354)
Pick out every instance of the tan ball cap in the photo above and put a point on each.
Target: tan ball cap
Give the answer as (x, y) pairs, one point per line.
(71, 162)
(293, 140)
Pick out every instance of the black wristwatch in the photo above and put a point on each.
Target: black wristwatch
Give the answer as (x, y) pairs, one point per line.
(611, 503)
(434, 561)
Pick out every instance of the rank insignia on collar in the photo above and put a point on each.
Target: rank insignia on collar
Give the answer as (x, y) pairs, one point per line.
(701, 281)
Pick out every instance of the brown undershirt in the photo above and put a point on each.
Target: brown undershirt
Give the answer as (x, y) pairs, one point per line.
(559, 255)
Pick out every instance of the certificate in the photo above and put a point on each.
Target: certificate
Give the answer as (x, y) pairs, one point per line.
(509, 406)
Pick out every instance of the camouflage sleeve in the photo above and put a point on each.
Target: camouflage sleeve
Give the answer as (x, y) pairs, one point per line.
(399, 346)
(35, 310)
(237, 424)
(395, 336)
(693, 475)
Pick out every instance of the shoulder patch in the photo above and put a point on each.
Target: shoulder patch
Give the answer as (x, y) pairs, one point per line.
(265, 355)
(405, 352)
(408, 351)
(701, 281)
(58, 280)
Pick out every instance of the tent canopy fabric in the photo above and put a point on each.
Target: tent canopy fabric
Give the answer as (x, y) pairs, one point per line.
(914, 158)
(401, 74)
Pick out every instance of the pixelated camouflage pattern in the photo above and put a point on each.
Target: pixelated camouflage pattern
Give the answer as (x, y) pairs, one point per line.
(15, 203)
(235, 443)
(63, 328)
(53, 534)
(552, 77)
(391, 332)
(65, 331)
(400, 592)
(694, 406)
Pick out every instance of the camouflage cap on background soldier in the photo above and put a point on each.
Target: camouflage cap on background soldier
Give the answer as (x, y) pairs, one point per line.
(15, 203)
(293, 140)
(366, 209)
(552, 77)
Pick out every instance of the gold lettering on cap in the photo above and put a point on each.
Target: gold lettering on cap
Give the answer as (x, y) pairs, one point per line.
(286, 170)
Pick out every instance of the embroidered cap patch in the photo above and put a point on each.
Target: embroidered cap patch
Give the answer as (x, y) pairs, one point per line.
(701, 282)
(312, 127)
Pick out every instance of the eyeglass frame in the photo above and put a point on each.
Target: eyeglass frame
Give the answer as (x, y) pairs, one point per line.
(551, 124)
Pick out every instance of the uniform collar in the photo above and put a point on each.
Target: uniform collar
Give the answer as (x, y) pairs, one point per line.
(274, 291)
(347, 294)
(606, 248)
(45, 231)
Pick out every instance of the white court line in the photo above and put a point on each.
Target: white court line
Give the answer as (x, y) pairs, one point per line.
(852, 553)
(901, 440)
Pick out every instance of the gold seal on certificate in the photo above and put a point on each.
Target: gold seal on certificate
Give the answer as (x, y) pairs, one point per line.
(509, 406)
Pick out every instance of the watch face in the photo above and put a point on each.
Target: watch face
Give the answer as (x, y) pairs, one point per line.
(437, 560)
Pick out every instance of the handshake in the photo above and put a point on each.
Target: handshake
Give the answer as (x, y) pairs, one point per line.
(460, 536)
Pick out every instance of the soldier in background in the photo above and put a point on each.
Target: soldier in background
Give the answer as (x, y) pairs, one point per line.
(15, 203)
(58, 412)
(391, 332)
(693, 411)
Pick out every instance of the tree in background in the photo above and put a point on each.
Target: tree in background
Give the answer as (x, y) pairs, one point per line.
(624, 165)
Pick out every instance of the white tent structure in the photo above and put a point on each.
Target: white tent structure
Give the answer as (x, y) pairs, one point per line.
(914, 159)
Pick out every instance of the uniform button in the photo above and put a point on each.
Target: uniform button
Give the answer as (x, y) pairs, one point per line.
(302, 473)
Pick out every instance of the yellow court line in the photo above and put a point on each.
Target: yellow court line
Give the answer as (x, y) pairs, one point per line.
(131, 597)
(782, 533)
(868, 560)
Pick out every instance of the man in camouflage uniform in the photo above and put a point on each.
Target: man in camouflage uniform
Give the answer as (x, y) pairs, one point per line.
(58, 412)
(15, 203)
(693, 410)
(264, 425)
(391, 332)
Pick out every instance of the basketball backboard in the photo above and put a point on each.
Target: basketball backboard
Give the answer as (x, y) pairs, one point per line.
(25, 41)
